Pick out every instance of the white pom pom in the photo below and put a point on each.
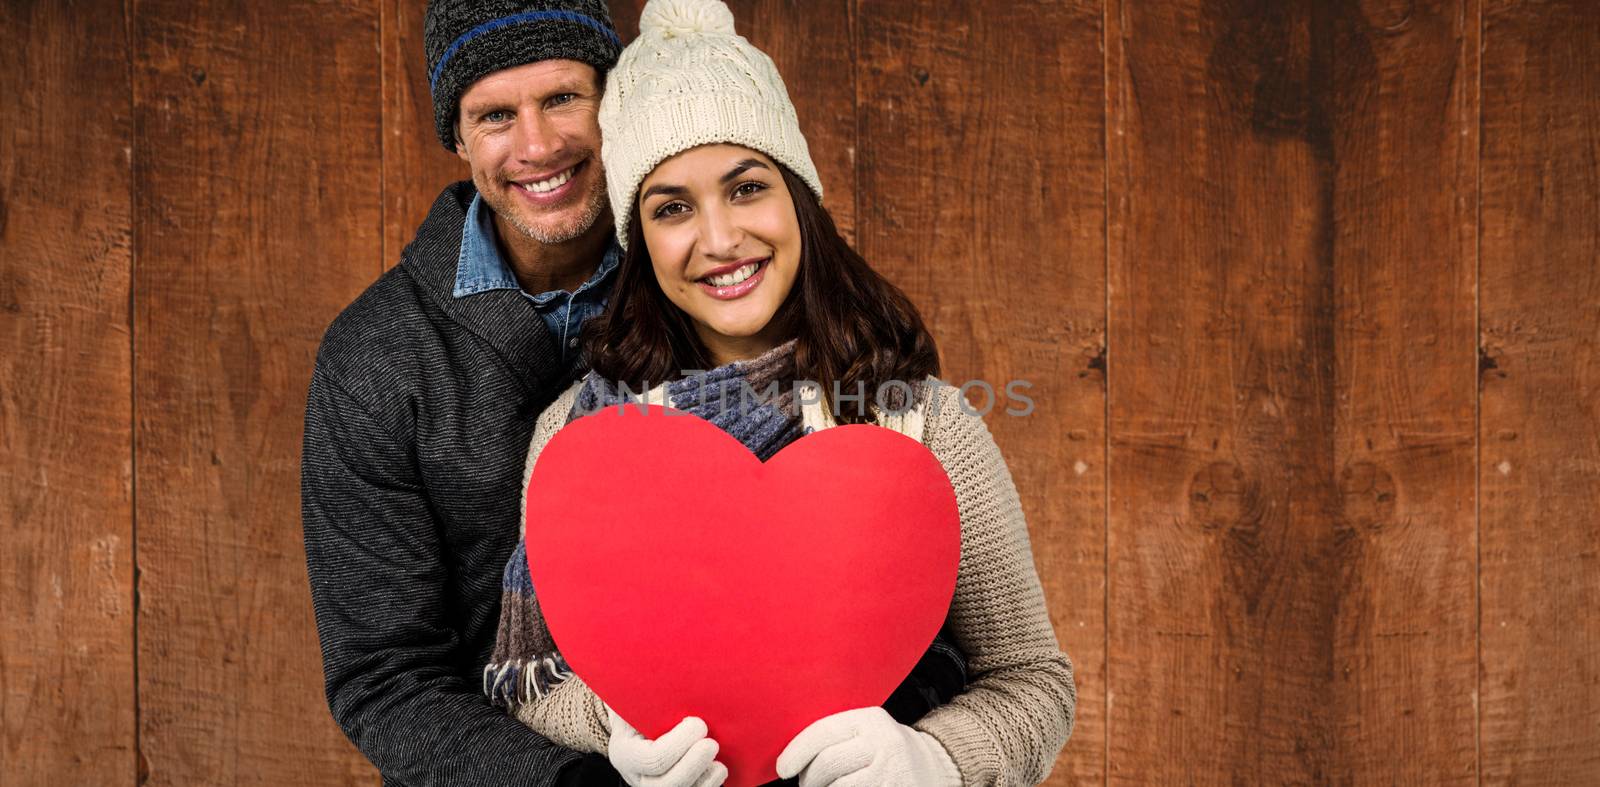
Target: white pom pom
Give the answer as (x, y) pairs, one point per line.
(671, 18)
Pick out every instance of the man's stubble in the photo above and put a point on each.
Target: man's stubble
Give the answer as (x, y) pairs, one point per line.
(553, 236)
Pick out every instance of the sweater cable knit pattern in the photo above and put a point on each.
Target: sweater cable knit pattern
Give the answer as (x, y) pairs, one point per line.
(690, 80)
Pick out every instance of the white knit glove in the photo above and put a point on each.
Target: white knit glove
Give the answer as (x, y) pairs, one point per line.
(866, 747)
(683, 757)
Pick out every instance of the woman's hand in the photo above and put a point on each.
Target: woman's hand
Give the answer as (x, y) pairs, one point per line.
(683, 757)
(866, 747)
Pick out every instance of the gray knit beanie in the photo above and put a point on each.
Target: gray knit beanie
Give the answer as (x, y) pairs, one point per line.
(467, 40)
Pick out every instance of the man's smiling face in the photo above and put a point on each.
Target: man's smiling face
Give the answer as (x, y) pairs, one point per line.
(531, 135)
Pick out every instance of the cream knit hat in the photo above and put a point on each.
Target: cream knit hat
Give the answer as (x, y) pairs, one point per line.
(690, 80)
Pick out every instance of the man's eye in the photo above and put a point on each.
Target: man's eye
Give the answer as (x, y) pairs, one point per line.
(497, 116)
(556, 101)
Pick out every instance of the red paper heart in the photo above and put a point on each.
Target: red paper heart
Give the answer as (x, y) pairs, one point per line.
(681, 576)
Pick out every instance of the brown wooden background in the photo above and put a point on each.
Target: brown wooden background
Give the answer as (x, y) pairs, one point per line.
(1308, 292)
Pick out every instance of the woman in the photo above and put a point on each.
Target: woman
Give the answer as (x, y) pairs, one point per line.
(732, 265)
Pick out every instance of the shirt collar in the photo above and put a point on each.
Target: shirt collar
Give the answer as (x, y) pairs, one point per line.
(591, 289)
(480, 268)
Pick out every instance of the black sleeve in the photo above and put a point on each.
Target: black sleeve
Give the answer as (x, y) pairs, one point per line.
(379, 586)
(594, 770)
(937, 678)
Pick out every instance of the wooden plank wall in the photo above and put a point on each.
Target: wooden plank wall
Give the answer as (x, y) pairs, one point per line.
(1539, 428)
(1221, 402)
(1308, 295)
(258, 217)
(1292, 391)
(67, 695)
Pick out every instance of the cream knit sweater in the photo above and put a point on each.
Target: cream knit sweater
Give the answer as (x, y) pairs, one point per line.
(1009, 724)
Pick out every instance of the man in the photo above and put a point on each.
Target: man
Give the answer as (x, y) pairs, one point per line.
(425, 394)
(426, 389)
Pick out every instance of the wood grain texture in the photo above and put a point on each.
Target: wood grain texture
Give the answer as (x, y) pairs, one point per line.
(1540, 425)
(66, 430)
(981, 177)
(259, 218)
(1400, 95)
(1222, 396)
(1292, 407)
(415, 166)
(625, 17)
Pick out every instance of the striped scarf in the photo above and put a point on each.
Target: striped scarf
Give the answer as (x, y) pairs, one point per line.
(755, 401)
(525, 664)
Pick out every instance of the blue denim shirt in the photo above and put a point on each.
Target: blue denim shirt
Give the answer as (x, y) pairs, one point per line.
(481, 268)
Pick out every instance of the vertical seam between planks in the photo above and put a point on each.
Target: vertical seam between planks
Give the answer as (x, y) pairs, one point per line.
(852, 21)
(1105, 435)
(133, 377)
(383, 138)
(1477, 40)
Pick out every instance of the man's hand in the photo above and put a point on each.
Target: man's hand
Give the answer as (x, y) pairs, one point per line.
(684, 757)
(866, 747)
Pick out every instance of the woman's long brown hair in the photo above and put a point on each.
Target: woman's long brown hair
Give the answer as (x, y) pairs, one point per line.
(854, 330)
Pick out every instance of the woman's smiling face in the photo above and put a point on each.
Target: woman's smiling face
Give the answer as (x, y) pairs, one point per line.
(724, 241)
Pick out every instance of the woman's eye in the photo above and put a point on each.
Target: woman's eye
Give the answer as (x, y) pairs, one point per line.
(749, 187)
(669, 210)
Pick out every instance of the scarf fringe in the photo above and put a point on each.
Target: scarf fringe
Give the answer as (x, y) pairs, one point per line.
(512, 684)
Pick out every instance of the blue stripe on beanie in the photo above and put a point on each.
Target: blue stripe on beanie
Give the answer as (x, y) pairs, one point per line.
(516, 19)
